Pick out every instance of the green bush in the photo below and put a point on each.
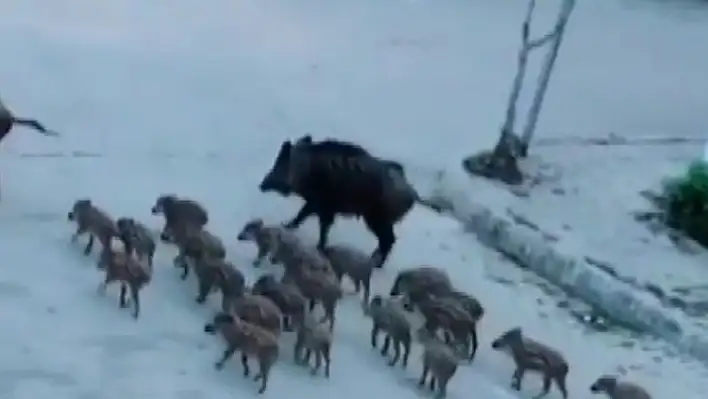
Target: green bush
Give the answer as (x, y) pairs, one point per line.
(686, 206)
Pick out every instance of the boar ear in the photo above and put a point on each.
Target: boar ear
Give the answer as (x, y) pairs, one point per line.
(304, 140)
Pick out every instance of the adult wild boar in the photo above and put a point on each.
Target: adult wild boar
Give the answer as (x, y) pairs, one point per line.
(339, 178)
(8, 120)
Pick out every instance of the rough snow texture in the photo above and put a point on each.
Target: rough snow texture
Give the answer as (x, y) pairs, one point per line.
(589, 204)
(456, 192)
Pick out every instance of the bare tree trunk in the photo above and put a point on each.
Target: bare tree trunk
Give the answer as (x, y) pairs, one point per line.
(502, 163)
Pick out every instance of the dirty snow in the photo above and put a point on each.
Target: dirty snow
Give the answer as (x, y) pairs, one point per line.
(170, 97)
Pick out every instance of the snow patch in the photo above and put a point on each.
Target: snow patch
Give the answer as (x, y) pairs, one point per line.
(453, 191)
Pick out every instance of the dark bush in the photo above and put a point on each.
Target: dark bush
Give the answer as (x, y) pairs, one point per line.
(686, 206)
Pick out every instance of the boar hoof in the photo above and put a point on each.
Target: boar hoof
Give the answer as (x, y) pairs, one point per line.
(219, 365)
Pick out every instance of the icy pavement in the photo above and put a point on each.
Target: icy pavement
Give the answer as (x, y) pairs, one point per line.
(66, 340)
(168, 97)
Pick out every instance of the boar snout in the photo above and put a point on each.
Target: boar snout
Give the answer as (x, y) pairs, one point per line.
(497, 344)
(272, 183)
(155, 210)
(210, 329)
(70, 216)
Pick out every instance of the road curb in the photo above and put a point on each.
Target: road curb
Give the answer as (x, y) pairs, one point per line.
(571, 272)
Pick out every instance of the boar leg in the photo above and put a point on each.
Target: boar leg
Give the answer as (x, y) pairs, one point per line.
(204, 288)
(228, 353)
(431, 383)
(244, 363)
(386, 237)
(305, 212)
(475, 344)
(264, 371)
(442, 389)
(396, 352)
(560, 382)
(367, 289)
(286, 323)
(326, 222)
(546, 386)
(424, 374)
(407, 351)
(297, 351)
(135, 294)
(89, 245)
(374, 335)
(517, 377)
(122, 303)
(327, 359)
(386, 344)
(318, 363)
(181, 263)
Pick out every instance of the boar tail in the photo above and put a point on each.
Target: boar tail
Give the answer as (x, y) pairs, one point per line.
(34, 124)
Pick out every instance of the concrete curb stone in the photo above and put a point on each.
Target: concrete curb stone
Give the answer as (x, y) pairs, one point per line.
(566, 270)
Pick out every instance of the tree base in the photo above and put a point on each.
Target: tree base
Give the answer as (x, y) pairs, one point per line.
(500, 164)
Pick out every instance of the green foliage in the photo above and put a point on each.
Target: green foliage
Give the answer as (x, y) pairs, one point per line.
(686, 207)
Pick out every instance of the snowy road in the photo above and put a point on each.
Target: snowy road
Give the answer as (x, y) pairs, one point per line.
(168, 97)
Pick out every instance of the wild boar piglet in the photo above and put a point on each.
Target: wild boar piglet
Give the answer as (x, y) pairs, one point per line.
(532, 355)
(449, 316)
(259, 310)
(271, 240)
(179, 211)
(389, 317)
(252, 340)
(287, 296)
(137, 238)
(131, 273)
(96, 222)
(318, 287)
(353, 263)
(616, 389)
(421, 281)
(439, 364)
(221, 275)
(195, 244)
(314, 337)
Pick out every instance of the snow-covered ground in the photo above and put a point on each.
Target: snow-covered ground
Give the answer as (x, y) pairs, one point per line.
(171, 97)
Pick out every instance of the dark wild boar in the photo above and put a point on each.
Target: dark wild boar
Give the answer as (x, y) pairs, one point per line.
(334, 182)
(131, 273)
(8, 120)
(615, 389)
(535, 356)
(178, 211)
(252, 340)
(93, 220)
(388, 317)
